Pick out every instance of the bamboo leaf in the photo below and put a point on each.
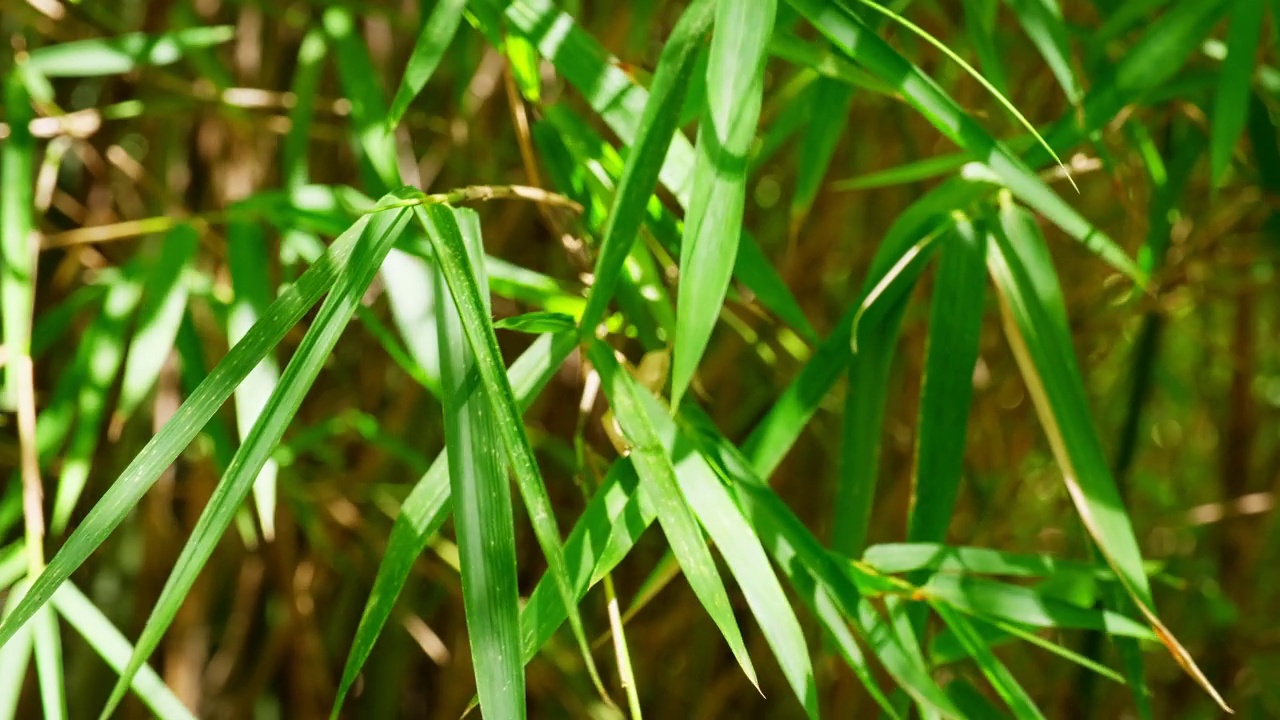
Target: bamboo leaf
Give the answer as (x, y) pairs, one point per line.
(428, 51)
(377, 235)
(81, 614)
(713, 225)
(427, 506)
(1035, 323)
(248, 261)
(648, 152)
(1231, 103)
(451, 254)
(17, 252)
(165, 446)
(121, 54)
(657, 476)
(482, 515)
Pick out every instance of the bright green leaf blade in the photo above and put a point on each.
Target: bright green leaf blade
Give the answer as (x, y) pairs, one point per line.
(827, 121)
(374, 140)
(717, 510)
(49, 667)
(1042, 20)
(713, 223)
(1024, 606)
(248, 261)
(482, 514)
(647, 154)
(980, 17)
(657, 475)
(621, 102)
(850, 34)
(453, 261)
(955, 322)
(412, 293)
(15, 656)
(17, 255)
(113, 56)
(164, 300)
(428, 51)
(816, 576)
(200, 406)
(427, 506)
(97, 630)
(377, 235)
(104, 353)
(537, 323)
(1231, 102)
(1035, 323)
(896, 558)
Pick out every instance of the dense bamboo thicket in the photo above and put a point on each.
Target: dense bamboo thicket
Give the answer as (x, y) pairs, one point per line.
(696, 358)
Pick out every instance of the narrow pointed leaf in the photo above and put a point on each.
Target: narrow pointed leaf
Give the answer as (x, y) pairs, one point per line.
(713, 225)
(113, 56)
(428, 504)
(453, 261)
(1035, 323)
(164, 447)
(97, 630)
(1231, 103)
(377, 235)
(437, 33)
(674, 515)
(482, 515)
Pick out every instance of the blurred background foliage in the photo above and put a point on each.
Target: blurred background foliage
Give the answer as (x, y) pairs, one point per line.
(155, 192)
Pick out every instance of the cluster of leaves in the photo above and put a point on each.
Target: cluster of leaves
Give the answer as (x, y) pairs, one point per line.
(655, 202)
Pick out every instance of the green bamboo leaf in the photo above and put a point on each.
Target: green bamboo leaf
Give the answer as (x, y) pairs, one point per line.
(452, 259)
(306, 85)
(1035, 322)
(897, 558)
(104, 352)
(1025, 606)
(49, 668)
(1231, 102)
(164, 447)
(377, 235)
(164, 300)
(988, 86)
(537, 323)
(97, 630)
(980, 17)
(827, 120)
(428, 51)
(620, 101)
(647, 154)
(17, 254)
(851, 35)
(427, 506)
(248, 261)
(713, 224)
(375, 141)
(717, 510)
(769, 442)
(412, 294)
(817, 577)
(955, 322)
(807, 53)
(121, 54)
(1043, 22)
(608, 528)
(946, 648)
(657, 476)
(482, 514)
(15, 655)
